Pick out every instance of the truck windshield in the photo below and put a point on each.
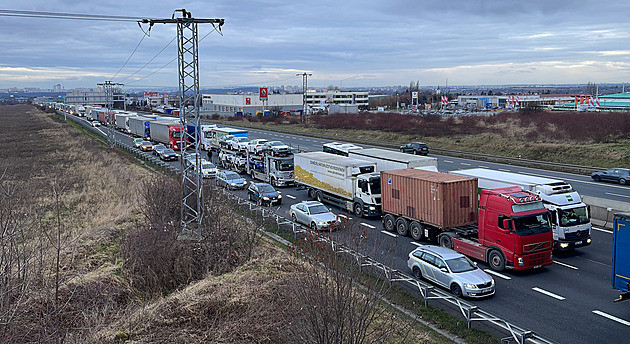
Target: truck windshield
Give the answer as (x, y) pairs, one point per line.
(460, 264)
(285, 166)
(176, 134)
(530, 225)
(573, 217)
(375, 185)
(523, 207)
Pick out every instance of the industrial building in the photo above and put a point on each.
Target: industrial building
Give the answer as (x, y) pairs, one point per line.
(81, 97)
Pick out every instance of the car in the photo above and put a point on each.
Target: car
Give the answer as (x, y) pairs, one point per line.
(239, 143)
(253, 145)
(224, 141)
(415, 148)
(95, 124)
(615, 175)
(263, 193)
(137, 142)
(451, 270)
(168, 154)
(230, 180)
(146, 146)
(208, 169)
(276, 148)
(314, 214)
(157, 148)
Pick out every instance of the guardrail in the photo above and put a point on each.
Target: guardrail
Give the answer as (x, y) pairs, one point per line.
(470, 312)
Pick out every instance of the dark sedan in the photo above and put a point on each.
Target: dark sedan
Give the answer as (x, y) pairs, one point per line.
(615, 175)
(415, 148)
(263, 193)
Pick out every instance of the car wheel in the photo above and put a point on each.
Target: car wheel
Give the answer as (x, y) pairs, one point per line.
(358, 210)
(402, 227)
(313, 225)
(456, 290)
(446, 241)
(417, 273)
(622, 181)
(496, 260)
(294, 218)
(389, 222)
(415, 229)
(597, 178)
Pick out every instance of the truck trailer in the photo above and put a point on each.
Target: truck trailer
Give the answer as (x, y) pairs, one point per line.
(507, 227)
(168, 132)
(122, 120)
(392, 160)
(570, 217)
(621, 255)
(349, 183)
(139, 126)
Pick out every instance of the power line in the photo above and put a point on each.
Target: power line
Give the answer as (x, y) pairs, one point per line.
(134, 50)
(63, 15)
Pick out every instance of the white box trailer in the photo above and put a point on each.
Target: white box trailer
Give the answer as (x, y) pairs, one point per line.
(139, 126)
(349, 183)
(571, 221)
(387, 160)
(122, 120)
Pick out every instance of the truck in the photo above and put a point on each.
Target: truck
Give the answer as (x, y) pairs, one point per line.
(505, 227)
(139, 126)
(206, 135)
(621, 255)
(122, 120)
(217, 133)
(348, 183)
(275, 170)
(570, 218)
(168, 132)
(393, 160)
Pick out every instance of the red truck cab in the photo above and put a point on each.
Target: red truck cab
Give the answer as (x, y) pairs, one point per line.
(514, 231)
(175, 136)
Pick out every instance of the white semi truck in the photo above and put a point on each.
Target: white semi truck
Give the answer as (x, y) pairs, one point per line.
(392, 160)
(349, 183)
(571, 221)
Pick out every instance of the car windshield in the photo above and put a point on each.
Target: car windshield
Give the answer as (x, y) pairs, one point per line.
(571, 217)
(208, 166)
(460, 264)
(267, 188)
(276, 143)
(232, 175)
(158, 147)
(242, 139)
(318, 209)
(167, 150)
(530, 225)
(146, 143)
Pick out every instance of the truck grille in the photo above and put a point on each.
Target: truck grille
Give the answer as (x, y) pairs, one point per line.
(539, 246)
(576, 235)
(537, 259)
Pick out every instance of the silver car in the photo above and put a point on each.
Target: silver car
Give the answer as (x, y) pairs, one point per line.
(313, 214)
(451, 270)
(230, 180)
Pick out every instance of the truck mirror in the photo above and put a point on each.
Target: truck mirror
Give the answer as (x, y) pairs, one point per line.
(506, 224)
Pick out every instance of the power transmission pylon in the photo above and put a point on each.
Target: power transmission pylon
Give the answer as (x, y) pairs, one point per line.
(189, 102)
(304, 88)
(108, 87)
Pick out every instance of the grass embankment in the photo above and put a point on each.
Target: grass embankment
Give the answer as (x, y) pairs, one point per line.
(71, 204)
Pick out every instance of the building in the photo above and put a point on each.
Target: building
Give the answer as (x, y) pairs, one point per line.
(345, 101)
(247, 104)
(82, 97)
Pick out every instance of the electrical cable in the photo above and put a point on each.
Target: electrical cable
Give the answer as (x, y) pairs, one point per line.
(62, 15)
(151, 60)
(134, 50)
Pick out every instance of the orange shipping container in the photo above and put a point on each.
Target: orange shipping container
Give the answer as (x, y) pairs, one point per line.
(438, 199)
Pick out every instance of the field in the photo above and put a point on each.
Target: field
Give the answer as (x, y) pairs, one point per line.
(90, 255)
(597, 139)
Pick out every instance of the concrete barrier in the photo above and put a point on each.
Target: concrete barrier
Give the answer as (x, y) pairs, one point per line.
(602, 210)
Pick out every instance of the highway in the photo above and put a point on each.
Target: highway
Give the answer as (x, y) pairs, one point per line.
(570, 301)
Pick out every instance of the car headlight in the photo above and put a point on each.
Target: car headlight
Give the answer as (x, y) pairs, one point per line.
(520, 261)
(491, 281)
(321, 223)
(233, 184)
(279, 196)
(266, 198)
(470, 286)
(372, 208)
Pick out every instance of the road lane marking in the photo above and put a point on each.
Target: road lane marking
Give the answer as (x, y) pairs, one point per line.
(482, 166)
(614, 194)
(567, 265)
(416, 243)
(290, 196)
(504, 169)
(390, 234)
(548, 293)
(492, 272)
(612, 317)
(450, 161)
(602, 230)
(465, 163)
(367, 225)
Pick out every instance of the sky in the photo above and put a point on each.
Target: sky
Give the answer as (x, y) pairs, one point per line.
(345, 43)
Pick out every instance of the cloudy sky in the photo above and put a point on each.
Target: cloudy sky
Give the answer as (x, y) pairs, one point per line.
(344, 43)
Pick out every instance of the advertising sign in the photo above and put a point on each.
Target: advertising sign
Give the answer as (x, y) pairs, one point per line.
(263, 93)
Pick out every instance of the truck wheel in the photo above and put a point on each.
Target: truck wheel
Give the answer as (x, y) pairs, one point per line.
(402, 227)
(496, 260)
(446, 241)
(311, 193)
(273, 182)
(358, 210)
(456, 290)
(389, 222)
(417, 273)
(416, 230)
(319, 197)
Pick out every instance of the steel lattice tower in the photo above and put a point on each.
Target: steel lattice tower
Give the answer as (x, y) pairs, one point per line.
(188, 72)
(108, 87)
